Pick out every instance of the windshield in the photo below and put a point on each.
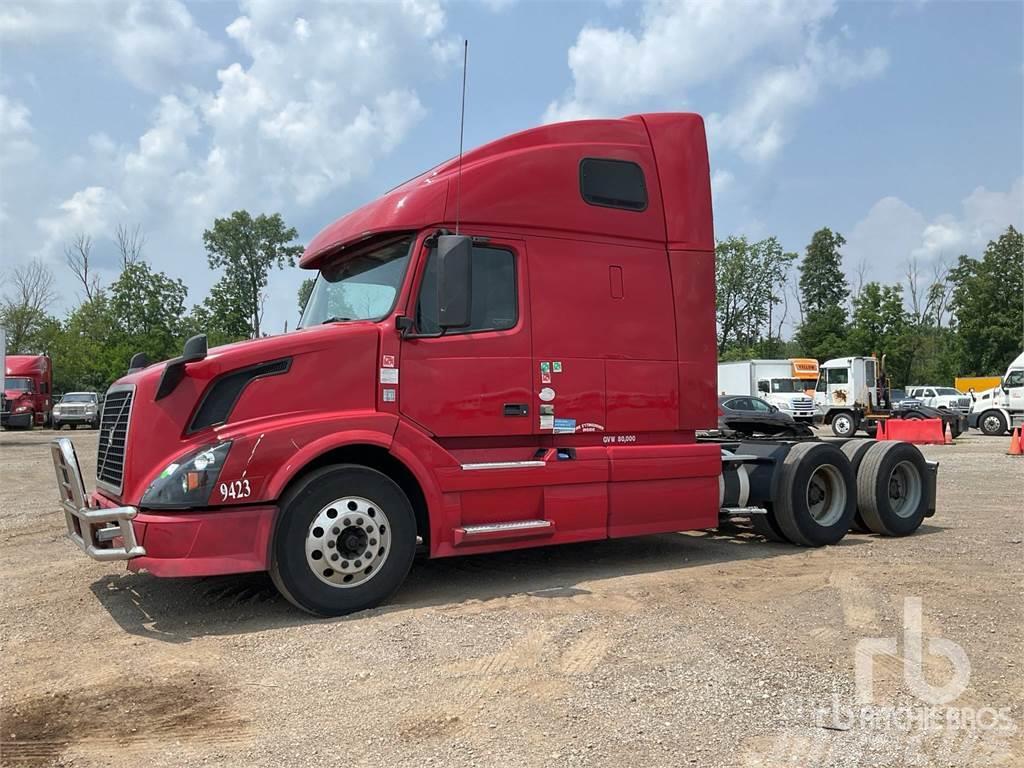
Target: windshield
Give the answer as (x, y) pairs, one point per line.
(788, 385)
(947, 391)
(18, 383)
(78, 397)
(362, 287)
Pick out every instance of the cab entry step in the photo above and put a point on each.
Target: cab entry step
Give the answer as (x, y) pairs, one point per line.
(516, 529)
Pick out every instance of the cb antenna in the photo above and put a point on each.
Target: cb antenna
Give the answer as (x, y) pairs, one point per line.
(462, 127)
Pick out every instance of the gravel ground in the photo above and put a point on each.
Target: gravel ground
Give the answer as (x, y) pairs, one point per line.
(707, 648)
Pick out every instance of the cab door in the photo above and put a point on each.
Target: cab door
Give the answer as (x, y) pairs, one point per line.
(473, 381)
(1014, 383)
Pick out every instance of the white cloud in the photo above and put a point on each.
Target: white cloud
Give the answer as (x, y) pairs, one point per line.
(93, 211)
(722, 181)
(760, 123)
(152, 43)
(16, 146)
(306, 105)
(893, 232)
(770, 48)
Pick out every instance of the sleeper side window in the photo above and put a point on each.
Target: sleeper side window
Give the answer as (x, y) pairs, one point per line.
(495, 304)
(613, 183)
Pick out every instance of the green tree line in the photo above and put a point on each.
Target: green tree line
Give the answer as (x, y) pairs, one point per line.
(142, 309)
(965, 318)
(960, 319)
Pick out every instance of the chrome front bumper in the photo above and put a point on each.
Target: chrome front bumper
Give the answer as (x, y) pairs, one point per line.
(93, 529)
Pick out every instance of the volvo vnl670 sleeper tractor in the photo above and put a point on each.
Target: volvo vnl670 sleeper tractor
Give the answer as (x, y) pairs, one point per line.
(527, 365)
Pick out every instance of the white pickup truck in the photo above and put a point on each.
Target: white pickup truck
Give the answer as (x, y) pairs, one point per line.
(946, 398)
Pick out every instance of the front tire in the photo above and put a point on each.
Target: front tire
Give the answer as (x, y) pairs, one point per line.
(992, 423)
(344, 542)
(844, 425)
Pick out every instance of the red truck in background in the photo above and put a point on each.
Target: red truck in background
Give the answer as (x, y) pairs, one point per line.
(518, 357)
(28, 391)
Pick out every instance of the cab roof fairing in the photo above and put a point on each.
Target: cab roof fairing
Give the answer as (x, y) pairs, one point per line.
(671, 148)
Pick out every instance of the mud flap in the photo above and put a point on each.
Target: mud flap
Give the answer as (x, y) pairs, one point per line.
(931, 481)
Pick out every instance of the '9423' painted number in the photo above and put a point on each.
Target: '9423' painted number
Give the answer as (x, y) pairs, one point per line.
(236, 489)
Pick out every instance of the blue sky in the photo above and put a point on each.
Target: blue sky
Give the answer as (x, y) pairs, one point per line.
(898, 124)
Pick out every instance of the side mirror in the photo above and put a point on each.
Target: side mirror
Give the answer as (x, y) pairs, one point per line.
(455, 280)
(195, 349)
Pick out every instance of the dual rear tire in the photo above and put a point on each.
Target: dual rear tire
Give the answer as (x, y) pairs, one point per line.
(866, 486)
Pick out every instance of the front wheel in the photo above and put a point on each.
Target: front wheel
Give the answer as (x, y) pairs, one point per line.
(992, 423)
(843, 425)
(344, 541)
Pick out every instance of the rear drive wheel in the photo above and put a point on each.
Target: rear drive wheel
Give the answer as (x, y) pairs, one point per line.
(817, 495)
(344, 541)
(766, 526)
(855, 451)
(992, 423)
(891, 488)
(843, 425)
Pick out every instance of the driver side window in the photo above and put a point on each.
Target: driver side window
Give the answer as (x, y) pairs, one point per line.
(495, 304)
(1015, 379)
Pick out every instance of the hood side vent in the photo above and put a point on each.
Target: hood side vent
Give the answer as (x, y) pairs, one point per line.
(223, 392)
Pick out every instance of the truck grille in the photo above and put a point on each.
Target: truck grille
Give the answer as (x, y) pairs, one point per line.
(117, 410)
(964, 402)
(802, 404)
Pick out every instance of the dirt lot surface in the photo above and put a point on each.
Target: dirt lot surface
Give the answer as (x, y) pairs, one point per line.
(688, 649)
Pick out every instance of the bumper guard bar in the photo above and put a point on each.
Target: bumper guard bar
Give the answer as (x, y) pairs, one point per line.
(93, 529)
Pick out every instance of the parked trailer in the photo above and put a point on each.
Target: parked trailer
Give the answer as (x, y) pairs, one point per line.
(538, 378)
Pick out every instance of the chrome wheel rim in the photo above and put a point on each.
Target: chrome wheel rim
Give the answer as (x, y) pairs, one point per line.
(348, 542)
(905, 489)
(826, 495)
(843, 424)
(992, 423)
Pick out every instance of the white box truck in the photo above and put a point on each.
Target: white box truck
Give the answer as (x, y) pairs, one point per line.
(1001, 408)
(772, 381)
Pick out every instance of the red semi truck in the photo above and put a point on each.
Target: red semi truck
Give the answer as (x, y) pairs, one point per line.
(513, 350)
(28, 391)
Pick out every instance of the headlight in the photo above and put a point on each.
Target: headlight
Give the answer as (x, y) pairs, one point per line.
(189, 481)
(22, 408)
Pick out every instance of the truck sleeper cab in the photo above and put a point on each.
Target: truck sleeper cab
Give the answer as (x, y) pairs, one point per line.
(538, 378)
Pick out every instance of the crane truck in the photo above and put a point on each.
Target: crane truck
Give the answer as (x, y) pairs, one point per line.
(511, 350)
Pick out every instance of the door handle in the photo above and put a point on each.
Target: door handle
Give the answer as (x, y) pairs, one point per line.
(516, 409)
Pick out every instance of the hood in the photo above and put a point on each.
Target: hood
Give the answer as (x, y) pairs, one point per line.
(325, 368)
